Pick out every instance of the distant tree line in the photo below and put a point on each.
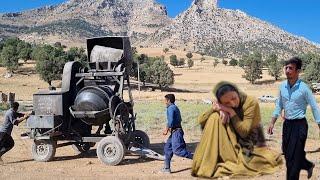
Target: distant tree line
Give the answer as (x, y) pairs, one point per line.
(311, 67)
(49, 59)
(174, 61)
(253, 64)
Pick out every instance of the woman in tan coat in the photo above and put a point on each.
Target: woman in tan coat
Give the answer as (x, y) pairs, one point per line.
(233, 143)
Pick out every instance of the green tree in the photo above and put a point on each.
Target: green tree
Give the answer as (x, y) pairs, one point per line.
(9, 58)
(253, 67)
(215, 63)
(202, 58)
(174, 60)
(162, 57)
(189, 55)
(274, 66)
(202, 53)
(165, 50)
(9, 55)
(151, 60)
(1, 45)
(225, 62)
(134, 50)
(24, 49)
(144, 73)
(190, 63)
(181, 62)
(241, 62)
(270, 59)
(143, 58)
(50, 62)
(78, 54)
(13, 41)
(307, 58)
(161, 74)
(233, 62)
(311, 74)
(144, 62)
(57, 44)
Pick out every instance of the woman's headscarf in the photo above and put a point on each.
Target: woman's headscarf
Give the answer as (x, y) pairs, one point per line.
(242, 96)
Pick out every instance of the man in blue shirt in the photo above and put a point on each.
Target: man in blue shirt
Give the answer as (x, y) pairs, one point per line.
(175, 143)
(294, 97)
(12, 117)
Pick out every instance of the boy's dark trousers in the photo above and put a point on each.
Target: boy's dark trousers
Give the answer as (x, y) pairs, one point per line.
(175, 145)
(294, 136)
(6, 143)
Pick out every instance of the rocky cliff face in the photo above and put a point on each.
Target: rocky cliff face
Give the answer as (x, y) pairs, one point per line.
(222, 32)
(203, 27)
(115, 17)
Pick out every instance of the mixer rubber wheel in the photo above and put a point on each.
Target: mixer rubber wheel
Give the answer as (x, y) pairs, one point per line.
(43, 150)
(141, 138)
(111, 150)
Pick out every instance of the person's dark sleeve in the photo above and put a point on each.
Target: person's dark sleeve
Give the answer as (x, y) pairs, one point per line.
(12, 119)
(20, 114)
(170, 114)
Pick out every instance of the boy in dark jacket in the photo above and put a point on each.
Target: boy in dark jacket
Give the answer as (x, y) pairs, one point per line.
(175, 143)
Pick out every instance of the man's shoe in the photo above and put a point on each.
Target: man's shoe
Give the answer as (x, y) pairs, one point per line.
(310, 170)
(166, 170)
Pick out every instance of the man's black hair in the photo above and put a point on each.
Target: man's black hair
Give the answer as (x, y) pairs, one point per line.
(170, 97)
(15, 105)
(295, 60)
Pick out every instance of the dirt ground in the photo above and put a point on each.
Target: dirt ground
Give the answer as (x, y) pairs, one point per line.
(70, 165)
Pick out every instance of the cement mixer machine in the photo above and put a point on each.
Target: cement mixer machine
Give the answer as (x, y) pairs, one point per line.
(90, 107)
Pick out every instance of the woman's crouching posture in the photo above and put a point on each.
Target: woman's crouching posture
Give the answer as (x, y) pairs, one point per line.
(233, 143)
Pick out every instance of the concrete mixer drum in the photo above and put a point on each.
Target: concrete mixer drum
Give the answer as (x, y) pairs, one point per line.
(90, 100)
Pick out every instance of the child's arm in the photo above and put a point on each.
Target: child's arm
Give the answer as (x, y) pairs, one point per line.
(165, 131)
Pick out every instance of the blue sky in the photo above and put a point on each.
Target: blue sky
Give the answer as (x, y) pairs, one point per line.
(300, 17)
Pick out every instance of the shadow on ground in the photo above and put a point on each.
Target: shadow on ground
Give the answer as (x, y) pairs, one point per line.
(129, 157)
(313, 151)
(158, 147)
(21, 161)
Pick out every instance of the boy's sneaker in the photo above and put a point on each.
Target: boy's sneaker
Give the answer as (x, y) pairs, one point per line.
(166, 170)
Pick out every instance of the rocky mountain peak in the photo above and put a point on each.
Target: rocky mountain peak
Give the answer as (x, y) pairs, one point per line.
(203, 27)
(206, 4)
(226, 33)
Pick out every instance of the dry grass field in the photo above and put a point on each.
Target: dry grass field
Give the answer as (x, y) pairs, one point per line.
(191, 87)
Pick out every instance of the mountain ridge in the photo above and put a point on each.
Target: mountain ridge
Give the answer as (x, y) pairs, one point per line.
(203, 27)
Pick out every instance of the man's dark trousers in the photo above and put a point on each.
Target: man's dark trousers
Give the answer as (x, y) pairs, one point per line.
(175, 145)
(294, 136)
(6, 143)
